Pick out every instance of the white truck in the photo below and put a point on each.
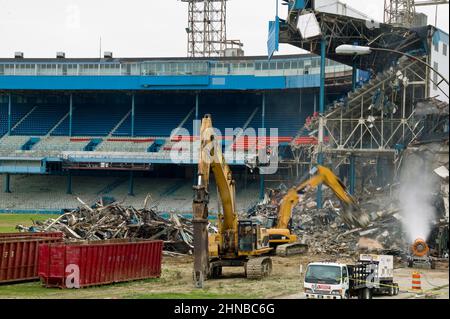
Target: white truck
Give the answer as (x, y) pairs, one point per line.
(370, 275)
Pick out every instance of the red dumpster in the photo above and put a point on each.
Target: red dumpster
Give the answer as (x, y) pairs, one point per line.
(19, 257)
(84, 264)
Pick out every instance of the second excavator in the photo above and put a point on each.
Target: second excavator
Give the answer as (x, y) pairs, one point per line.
(283, 239)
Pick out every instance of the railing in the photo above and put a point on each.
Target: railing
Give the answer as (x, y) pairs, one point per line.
(281, 67)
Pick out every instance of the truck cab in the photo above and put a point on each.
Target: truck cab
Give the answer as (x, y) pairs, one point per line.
(370, 275)
(325, 280)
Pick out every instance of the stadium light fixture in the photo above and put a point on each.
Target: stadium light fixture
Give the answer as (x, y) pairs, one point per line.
(347, 49)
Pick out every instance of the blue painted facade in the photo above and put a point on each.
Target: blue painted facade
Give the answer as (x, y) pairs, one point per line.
(158, 83)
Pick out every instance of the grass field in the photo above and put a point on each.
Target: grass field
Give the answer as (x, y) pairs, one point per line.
(175, 283)
(8, 222)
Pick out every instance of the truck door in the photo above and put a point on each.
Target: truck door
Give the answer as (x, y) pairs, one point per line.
(345, 279)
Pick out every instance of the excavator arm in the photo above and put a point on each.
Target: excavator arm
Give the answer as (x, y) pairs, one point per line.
(211, 159)
(351, 215)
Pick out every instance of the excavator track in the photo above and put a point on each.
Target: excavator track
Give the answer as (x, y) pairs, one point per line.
(291, 249)
(257, 268)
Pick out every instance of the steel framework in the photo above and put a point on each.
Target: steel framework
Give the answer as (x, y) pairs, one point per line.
(207, 33)
(403, 12)
(399, 12)
(338, 30)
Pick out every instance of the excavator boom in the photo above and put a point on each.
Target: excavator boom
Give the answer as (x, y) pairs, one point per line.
(352, 215)
(281, 236)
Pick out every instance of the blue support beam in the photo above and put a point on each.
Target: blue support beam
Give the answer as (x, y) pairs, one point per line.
(263, 126)
(133, 111)
(196, 130)
(354, 75)
(7, 183)
(69, 183)
(352, 176)
(70, 114)
(131, 184)
(320, 157)
(196, 106)
(9, 113)
(323, 47)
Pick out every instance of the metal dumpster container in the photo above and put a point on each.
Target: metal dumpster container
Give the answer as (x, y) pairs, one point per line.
(84, 264)
(19, 257)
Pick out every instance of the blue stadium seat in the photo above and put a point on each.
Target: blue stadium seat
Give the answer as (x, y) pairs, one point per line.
(3, 119)
(92, 120)
(229, 111)
(18, 111)
(62, 129)
(158, 117)
(41, 120)
(125, 128)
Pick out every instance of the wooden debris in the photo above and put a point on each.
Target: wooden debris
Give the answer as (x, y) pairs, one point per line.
(114, 221)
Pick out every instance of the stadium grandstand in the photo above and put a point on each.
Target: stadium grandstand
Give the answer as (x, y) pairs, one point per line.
(110, 127)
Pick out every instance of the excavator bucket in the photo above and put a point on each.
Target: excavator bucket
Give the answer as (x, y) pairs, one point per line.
(354, 216)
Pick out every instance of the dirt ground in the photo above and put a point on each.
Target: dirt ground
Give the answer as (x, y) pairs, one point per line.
(176, 282)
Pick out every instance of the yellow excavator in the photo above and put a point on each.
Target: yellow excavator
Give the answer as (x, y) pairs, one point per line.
(238, 242)
(280, 236)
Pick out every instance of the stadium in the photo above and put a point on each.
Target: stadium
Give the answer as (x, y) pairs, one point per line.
(220, 174)
(107, 127)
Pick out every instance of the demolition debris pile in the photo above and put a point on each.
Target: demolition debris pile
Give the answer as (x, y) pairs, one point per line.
(325, 232)
(117, 222)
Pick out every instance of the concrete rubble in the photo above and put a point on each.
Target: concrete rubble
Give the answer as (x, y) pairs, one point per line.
(325, 232)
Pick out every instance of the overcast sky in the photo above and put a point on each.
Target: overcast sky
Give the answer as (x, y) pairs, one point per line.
(140, 28)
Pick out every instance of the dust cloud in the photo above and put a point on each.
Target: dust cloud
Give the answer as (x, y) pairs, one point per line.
(416, 197)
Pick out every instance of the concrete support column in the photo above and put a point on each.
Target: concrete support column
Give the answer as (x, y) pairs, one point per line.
(262, 182)
(352, 174)
(132, 114)
(320, 157)
(70, 114)
(7, 183)
(131, 184)
(69, 182)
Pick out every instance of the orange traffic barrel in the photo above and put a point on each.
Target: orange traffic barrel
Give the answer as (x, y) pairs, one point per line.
(416, 281)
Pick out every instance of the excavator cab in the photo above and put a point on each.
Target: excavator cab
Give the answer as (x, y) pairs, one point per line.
(251, 237)
(247, 234)
(271, 222)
